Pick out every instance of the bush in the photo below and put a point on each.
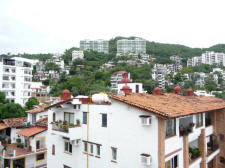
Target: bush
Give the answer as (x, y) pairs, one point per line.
(9, 141)
(18, 140)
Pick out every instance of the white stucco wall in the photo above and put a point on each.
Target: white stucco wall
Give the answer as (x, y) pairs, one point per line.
(124, 132)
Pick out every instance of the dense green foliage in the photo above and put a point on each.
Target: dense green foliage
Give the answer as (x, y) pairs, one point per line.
(51, 66)
(30, 103)
(9, 110)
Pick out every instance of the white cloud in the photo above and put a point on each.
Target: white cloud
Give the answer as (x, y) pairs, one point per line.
(54, 25)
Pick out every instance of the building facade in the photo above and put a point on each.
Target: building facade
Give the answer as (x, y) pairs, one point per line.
(77, 54)
(137, 130)
(125, 46)
(95, 45)
(16, 78)
(209, 57)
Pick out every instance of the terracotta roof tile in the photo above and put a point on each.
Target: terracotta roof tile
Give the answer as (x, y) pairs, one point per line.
(171, 105)
(3, 126)
(42, 122)
(15, 122)
(31, 131)
(38, 109)
(19, 151)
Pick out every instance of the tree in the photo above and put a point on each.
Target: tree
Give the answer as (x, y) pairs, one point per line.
(210, 84)
(52, 66)
(2, 97)
(31, 102)
(149, 85)
(11, 110)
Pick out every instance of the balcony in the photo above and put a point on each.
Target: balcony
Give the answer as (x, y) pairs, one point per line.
(212, 145)
(194, 153)
(67, 130)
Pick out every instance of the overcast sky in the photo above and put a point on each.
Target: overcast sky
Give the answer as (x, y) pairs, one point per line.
(36, 26)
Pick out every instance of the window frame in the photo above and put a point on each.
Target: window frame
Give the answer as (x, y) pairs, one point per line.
(104, 122)
(174, 128)
(69, 147)
(85, 118)
(199, 120)
(114, 154)
(37, 160)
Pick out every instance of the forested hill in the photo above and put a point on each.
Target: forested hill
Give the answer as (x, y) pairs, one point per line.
(160, 51)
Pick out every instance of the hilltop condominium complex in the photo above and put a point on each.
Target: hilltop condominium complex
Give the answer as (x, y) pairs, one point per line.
(126, 46)
(16, 78)
(209, 57)
(95, 45)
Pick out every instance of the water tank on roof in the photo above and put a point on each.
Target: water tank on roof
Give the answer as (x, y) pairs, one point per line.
(100, 98)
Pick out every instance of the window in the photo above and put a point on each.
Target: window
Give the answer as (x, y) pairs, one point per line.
(137, 88)
(40, 143)
(91, 148)
(222, 160)
(40, 156)
(85, 146)
(104, 120)
(69, 118)
(199, 120)
(68, 147)
(114, 154)
(172, 163)
(221, 137)
(98, 150)
(53, 149)
(170, 127)
(84, 117)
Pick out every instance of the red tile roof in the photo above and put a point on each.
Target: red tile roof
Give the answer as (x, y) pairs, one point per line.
(42, 122)
(15, 122)
(19, 151)
(171, 105)
(3, 126)
(31, 131)
(38, 109)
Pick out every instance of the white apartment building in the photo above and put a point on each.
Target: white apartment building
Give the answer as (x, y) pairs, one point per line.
(16, 78)
(136, 130)
(159, 71)
(116, 77)
(209, 57)
(176, 59)
(77, 54)
(125, 46)
(95, 45)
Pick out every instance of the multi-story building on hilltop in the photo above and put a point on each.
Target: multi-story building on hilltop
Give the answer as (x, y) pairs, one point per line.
(137, 130)
(77, 54)
(95, 45)
(16, 78)
(125, 46)
(209, 57)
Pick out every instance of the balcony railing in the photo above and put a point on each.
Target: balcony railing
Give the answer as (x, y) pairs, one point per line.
(194, 154)
(63, 126)
(211, 148)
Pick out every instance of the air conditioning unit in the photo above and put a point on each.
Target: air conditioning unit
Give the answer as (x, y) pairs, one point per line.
(146, 159)
(146, 120)
(76, 142)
